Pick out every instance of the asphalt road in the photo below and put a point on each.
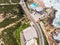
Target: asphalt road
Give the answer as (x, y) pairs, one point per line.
(39, 32)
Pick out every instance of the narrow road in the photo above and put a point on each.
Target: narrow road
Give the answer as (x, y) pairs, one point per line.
(40, 35)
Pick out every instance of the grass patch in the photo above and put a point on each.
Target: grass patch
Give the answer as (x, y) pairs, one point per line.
(4, 1)
(27, 5)
(14, 9)
(8, 21)
(7, 8)
(17, 32)
(45, 40)
(8, 36)
(10, 9)
(15, 1)
(37, 40)
(8, 1)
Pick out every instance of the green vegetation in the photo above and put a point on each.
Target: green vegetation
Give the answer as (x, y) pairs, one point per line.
(45, 40)
(11, 35)
(25, 0)
(14, 9)
(37, 40)
(8, 21)
(17, 32)
(8, 37)
(4, 1)
(15, 1)
(10, 9)
(21, 11)
(27, 5)
(8, 1)
(7, 8)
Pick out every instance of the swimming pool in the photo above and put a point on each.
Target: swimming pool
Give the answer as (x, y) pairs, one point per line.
(34, 5)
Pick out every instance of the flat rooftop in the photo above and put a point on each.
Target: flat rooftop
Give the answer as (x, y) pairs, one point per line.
(29, 33)
(32, 42)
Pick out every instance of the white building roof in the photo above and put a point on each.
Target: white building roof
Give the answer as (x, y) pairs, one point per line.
(54, 3)
(57, 37)
(57, 15)
(47, 3)
(29, 33)
(39, 8)
(56, 21)
(32, 42)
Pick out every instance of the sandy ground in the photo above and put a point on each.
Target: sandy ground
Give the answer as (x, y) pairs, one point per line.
(1, 42)
(1, 18)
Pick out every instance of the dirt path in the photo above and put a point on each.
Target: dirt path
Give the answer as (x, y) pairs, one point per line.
(1, 17)
(10, 25)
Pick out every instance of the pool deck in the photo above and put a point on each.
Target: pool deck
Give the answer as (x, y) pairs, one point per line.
(41, 4)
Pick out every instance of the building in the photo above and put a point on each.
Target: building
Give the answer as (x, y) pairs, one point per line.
(56, 21)
(29, 33)
(32, 42)
(50, 3)
(57, 37)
